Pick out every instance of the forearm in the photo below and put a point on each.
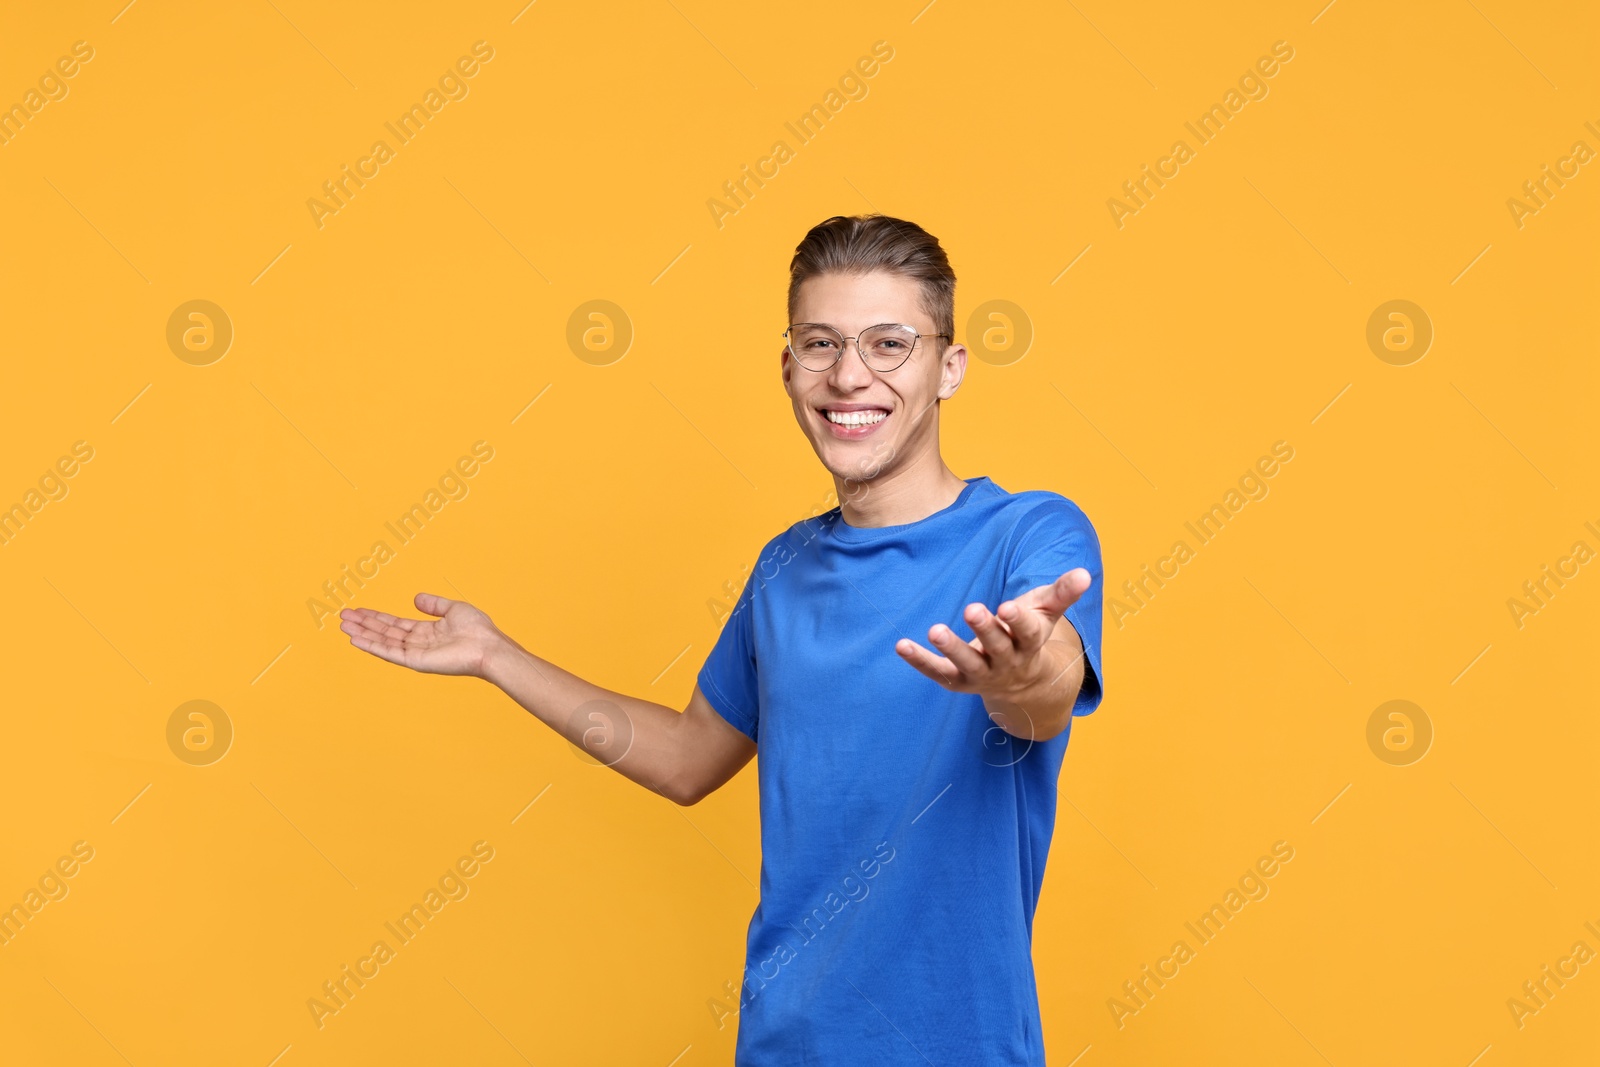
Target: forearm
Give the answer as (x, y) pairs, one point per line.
(636, 738)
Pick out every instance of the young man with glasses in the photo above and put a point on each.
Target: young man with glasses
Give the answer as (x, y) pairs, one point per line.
(907, 795)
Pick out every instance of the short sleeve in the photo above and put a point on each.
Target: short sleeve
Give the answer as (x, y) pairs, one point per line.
(728, 678)
(1053, 538)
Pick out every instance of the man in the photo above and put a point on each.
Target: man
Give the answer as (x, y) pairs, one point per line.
(907, 795)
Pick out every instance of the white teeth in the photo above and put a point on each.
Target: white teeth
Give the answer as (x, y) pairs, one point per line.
(856, 418)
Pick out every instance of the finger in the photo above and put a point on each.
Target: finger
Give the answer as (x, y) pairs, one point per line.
(938, 668)
(996, 637)
(369, 638)
(1030, 626)
(391, 651)
(1062, 593)
(395, 621)
(966, 658)
(376, 633)
(432, 604)
(369, 616)
(1032, 616)
(1058, 595)
(378, 622)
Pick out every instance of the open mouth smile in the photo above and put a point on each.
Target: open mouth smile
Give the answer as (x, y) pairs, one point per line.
(854, 421)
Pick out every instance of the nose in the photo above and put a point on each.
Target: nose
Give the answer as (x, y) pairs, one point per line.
(851, 371)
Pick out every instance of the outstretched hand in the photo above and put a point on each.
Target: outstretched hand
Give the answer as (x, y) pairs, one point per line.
(455, 642)
(1008, 658)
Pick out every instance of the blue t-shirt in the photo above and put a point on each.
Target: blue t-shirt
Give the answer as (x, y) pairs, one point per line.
(903, 833)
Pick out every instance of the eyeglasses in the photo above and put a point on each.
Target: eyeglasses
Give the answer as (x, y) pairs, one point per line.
(883, 348)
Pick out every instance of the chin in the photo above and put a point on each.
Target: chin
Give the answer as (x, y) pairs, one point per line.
(857, 464)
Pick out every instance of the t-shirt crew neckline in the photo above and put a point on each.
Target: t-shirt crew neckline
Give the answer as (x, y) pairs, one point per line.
(843, 531)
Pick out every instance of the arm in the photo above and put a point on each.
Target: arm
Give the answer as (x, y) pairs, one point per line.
(1041, 708)
(683, 757)
(1026, 660)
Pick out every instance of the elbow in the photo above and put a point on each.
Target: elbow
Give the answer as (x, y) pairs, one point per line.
(1047, 731)
(1040, 725)
(684, 792)
(1057, 723)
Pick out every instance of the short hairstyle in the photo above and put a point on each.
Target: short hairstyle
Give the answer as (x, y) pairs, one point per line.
(859, 244)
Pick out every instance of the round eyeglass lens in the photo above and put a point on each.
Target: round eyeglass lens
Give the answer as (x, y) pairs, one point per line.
(883, 347)
(886, 347)
(815, 346)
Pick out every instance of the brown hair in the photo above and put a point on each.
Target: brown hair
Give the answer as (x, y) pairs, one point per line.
(858, 244)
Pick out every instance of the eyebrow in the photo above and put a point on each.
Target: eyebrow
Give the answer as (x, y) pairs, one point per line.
(832, 326)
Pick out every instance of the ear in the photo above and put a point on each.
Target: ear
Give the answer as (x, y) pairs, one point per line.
(952, 371)
(786, 369)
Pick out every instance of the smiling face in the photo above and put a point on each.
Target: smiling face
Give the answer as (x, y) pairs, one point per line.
(865, 424)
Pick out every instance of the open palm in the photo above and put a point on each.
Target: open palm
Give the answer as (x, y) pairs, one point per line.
(453, 643)
(1006, 654)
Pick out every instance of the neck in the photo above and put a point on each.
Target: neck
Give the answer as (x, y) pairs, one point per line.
(906, 494)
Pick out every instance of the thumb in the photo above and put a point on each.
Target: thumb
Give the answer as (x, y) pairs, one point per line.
(430, 604)
(1060, 594)
(1069, 587)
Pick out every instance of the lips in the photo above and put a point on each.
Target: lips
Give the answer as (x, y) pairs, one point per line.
(853, 421)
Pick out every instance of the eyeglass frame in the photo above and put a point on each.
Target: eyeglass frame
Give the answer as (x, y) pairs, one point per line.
(857, 340)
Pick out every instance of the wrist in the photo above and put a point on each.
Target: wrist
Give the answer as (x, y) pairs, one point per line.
(498, 658)
(1052, 677)
(1012, 717)
(1033, 682)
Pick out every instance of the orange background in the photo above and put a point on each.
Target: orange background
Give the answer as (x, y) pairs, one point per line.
(368, 354)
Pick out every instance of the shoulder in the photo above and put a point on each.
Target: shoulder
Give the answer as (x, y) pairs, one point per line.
(804, 532)
(792, 542)
(1036, 511)
(1051, 535)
